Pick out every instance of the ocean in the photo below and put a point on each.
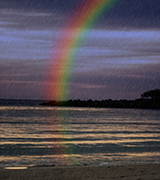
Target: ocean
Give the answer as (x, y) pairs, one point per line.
(34, 135)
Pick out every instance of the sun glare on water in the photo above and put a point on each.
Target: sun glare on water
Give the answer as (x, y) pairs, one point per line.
(15, 167)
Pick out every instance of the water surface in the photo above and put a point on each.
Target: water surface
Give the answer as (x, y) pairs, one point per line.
(37, 135)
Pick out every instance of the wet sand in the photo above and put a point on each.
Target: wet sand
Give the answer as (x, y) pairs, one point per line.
(108, 172)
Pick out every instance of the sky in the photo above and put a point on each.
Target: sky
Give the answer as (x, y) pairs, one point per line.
(118, 59)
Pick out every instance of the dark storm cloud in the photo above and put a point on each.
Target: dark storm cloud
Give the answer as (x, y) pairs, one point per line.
(118, 59)
(17, 70)
(116, 83)
(24, 20)
(41, 5)
(19, 79)
(138, 13)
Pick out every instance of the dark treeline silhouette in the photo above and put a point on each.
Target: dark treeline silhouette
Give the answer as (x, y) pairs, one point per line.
(153, 94)
(148, 100)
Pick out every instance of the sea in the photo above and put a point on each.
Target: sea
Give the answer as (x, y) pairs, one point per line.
(35, 135)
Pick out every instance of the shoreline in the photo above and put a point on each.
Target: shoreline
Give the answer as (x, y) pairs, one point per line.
(95, 172)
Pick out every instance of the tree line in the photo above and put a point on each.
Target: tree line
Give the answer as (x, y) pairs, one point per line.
(149, 100)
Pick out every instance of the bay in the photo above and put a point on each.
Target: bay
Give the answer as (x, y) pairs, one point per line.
(37, 136)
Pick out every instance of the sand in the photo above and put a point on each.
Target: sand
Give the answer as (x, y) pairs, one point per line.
(109, 172)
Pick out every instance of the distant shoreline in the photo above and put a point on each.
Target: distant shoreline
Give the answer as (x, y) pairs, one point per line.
(130, 104)
(141, 103)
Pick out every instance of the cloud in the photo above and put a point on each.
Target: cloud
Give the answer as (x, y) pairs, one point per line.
(29, 20)
(25, 44)
(23, 79)
(126, 13)
(127, 83)
(117, 49)
(118, 59)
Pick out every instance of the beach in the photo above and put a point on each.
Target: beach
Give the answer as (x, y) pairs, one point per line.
(108, 172)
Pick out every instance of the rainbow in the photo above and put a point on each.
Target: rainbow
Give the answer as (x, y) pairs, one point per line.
(73, 34)
(64, 56)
